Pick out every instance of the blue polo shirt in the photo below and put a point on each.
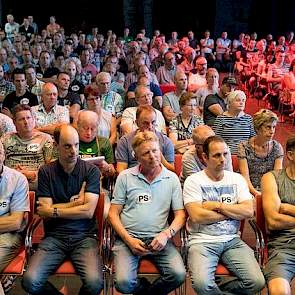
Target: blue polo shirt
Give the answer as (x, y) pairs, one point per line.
(55, 183)
(146, 206)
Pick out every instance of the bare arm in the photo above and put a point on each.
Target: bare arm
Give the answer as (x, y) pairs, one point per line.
(244, 170)
(278, 164)
(237, 211)
(74, 109)
(12, 222)
(169, 166)
(201, 215)
(216, 109)
(113, 131)
(275, 219)
(179, 143)
(50, 127)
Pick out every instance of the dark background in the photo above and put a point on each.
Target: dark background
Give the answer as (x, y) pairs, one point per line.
(232, 15)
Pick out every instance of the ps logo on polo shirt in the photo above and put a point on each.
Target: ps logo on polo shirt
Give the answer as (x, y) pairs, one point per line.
(144, 199)
(24, 101)
(75, 88)
(226, 198)
(3, 204)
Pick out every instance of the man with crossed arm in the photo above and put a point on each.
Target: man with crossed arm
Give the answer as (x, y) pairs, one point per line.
(68, 190)
(216, 201)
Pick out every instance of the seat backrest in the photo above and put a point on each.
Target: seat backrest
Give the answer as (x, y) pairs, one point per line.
(235, 163)
(99, 215)
(178, 164)
(260, 219)
(167, 88)
(32, 206)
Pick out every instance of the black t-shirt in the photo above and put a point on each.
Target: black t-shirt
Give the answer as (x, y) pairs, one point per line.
(11, 100)
(70, 99)
(49, 72)
(210, 100)
(77, 87)
(55, 183)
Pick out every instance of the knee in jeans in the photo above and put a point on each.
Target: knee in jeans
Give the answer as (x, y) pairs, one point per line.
(178, 276)
(125, 286)
(201, 285)
(93, 283)
(30, 282)
(255, 284)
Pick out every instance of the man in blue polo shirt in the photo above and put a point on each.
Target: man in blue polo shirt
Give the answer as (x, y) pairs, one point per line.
(14, 203)
(143, 198)
(68, 191)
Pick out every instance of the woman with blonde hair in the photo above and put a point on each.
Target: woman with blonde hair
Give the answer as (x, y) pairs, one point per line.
(261, 153)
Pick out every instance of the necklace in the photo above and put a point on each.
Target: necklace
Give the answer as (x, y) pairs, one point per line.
(267, 152)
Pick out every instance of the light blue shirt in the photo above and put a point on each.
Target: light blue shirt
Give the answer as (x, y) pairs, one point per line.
(13, 192)
(146, 206)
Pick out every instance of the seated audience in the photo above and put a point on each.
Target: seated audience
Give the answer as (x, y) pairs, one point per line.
(197, 77)
(278, 193)
(49, 115)
(192, 160)
(106, 121)
(215, 104)
(69, 219)
(20, 96)
(139, 191)
(261, 153)
(6, 125)
(165, 74)
(212, 78)
(171, 106)
(13, 214)
(111, 101)
(216, 201)
(143, 96)
(27, 149)
(145, 119)
(234, 125)
(92, 145)
(181, 127)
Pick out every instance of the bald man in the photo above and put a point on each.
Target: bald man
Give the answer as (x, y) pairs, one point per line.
(92, 145)
(192, 160)
(67, 193)
(49, 114)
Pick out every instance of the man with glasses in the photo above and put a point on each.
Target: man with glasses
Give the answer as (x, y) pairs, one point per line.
(197, 77)
(192, 160)
(146, 120)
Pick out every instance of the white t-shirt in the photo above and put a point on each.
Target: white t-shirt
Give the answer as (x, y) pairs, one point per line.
(232, 189)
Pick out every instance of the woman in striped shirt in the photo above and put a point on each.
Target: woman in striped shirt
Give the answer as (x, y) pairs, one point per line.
(234, 125)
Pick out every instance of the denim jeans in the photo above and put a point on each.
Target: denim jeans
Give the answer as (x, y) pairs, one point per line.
(168, 261)
(9, 247)
(52, 251)
(236, 256)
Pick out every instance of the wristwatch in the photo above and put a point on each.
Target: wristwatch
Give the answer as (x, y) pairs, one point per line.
(55, 213)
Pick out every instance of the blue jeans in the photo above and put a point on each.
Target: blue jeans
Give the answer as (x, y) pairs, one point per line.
(168, 261)
(52, 251)
(236, 256)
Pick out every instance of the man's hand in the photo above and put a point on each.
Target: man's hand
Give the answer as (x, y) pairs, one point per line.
(159, 242)
(104, 167)
(211, 205)
(137, 247)
(44, 209)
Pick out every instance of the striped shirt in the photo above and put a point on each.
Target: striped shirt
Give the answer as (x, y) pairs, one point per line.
(234, 130)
